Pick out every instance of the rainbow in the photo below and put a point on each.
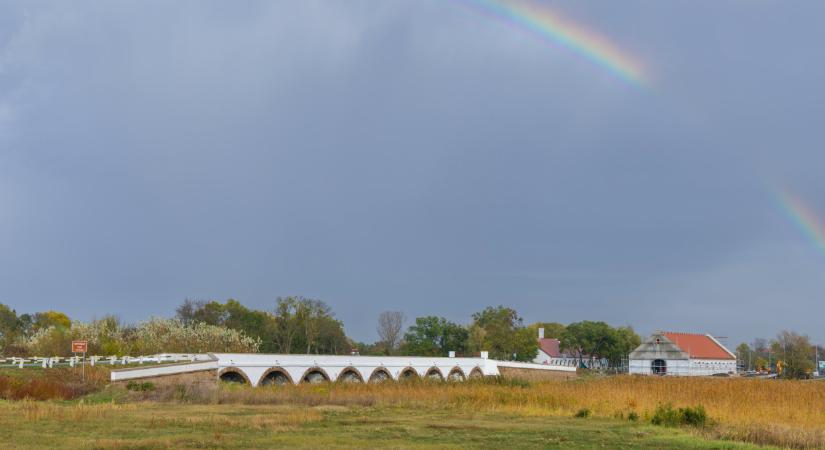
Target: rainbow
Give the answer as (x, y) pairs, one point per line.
(551, 26)
(802, 216)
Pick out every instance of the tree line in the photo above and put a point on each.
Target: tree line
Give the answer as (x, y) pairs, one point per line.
(297, 324)
(501, 331)
(789, 354)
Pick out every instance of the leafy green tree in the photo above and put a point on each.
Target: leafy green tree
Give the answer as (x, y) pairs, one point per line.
(303, 324)
(796, 353)
(476, 339)
(596, 340)
(505, 336)
(254, 323)
(286, 326)
(745, 355)
(297, 324)
(311, 314)
(434, 336)
(211, 313)
(331, 339)
(43, 320)
(552, 330)
(10, 329)
(26, 324)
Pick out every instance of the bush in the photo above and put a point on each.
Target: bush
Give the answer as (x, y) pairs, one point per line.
(633, 416)
(582, 413)
(666, 415)
(695, 417)
(51, 384)
(500, 381)
(153, 336)
(142, 387)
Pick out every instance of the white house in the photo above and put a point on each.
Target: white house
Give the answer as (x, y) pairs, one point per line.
(548, 349)
(686, 354)
(549, 353)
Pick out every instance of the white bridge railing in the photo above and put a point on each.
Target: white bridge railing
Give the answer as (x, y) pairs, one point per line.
(47, 362)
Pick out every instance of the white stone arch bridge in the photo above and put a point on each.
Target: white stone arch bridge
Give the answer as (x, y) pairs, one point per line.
(269, 369)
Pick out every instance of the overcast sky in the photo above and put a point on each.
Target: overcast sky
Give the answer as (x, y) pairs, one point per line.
(413, 155)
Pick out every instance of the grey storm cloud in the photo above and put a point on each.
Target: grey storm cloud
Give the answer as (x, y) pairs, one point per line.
(411, 155)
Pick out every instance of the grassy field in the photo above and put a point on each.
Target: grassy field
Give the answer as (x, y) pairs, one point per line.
(30, 424)
(620, 411)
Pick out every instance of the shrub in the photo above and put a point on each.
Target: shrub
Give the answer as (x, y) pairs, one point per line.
(171, 335)
(666, 415)
(499, 381)
(695, 417)
(633, 416)
(582, 413)
(155, 335)
(142, 387)
(51, 385)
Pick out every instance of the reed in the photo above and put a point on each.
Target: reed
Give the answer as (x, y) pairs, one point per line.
(51, 384)
(785, 413)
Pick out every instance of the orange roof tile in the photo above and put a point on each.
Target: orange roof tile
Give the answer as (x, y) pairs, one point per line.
(699, 346)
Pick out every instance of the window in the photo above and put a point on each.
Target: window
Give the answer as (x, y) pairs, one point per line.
(658, 367)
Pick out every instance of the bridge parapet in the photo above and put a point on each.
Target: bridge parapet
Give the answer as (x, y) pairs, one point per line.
(259, 369)
(303, 368)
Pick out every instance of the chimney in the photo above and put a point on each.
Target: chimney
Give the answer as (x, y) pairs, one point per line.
(541, 333)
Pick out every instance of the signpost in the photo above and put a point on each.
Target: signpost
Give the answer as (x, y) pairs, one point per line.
(81, 347)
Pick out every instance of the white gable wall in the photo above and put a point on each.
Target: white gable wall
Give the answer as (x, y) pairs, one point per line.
(674, 367)
(542, 358)
(712, 366)
(686, 367)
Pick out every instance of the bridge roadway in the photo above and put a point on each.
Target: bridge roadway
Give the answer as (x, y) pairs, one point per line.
(263, 369)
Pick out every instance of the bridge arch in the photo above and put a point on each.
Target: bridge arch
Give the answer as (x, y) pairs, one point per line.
(476, 373)
(380, 375)
(275, 376)
(434, 373)
(408, 374)
(456, 374)
(315, 375)
(350, 375)
(233, 375)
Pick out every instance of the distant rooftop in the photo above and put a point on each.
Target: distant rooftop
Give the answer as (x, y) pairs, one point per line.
(550, 346)
(699, 346)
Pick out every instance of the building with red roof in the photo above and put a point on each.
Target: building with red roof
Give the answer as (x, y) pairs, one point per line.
(671, 353)
(550, 353)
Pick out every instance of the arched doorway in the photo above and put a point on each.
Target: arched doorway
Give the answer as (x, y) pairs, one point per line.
(658, 367)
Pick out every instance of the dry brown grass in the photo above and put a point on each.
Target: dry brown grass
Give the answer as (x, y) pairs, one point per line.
(785, 413)
(33, 411)
(51, 384)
